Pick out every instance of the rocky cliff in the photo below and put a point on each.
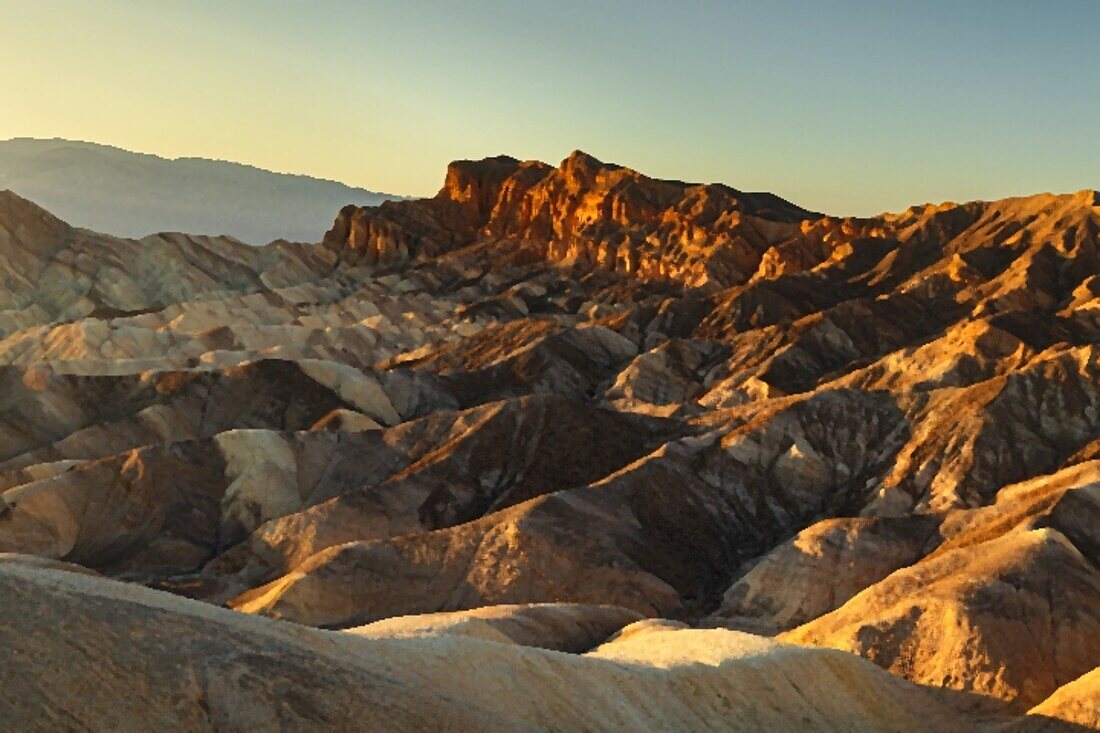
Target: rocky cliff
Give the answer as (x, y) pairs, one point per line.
(577, 387)
(584, 212)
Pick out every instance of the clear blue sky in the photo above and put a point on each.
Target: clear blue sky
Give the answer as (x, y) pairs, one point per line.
(844, 106)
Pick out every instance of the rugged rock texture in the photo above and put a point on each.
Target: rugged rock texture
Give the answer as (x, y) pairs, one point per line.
(821, 568)
(1014, 618)
(584, 212)
(552, 390)
(1020, 594)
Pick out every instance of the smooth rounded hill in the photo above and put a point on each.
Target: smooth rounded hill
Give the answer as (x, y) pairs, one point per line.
(173, 664)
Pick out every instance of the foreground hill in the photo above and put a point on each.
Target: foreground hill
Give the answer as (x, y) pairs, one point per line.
(171, 664)
(134, 195)
(581, 387)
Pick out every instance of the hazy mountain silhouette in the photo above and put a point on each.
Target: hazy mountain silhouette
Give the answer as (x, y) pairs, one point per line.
(134, 194)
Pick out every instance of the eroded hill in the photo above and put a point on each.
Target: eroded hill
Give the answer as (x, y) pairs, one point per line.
(578, 385)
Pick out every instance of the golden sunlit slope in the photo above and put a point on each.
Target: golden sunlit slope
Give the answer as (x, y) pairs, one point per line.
(577, 387)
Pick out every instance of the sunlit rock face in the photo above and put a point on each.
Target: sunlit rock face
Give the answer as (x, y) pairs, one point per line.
(583, 212)
(550, 404)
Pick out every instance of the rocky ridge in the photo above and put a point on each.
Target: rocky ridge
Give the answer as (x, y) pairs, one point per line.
(579, 385)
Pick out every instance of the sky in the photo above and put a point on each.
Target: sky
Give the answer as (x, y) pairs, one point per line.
(849, 107)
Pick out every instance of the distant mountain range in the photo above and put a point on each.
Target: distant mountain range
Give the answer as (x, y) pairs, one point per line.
(135, 194)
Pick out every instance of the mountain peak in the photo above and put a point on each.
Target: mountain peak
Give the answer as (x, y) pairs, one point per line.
(11, 198)
(1089, 197)
(584, 212)
(580, 160)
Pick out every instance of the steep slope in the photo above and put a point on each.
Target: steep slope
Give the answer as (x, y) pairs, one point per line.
(822, 567)
(54, 272)
(1014, 618)
(584, 212)
(1077, 703)
(579, 385)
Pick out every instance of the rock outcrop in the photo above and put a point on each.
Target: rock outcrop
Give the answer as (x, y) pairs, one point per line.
(583, 212)
(552, 401)
(1014, 618)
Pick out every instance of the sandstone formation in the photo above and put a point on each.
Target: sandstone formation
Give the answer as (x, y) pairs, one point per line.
(1013, 618)
(1077, 703)
(551, 401)
(584, 212)
(821, 568)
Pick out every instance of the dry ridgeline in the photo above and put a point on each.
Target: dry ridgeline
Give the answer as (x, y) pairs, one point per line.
(560, 448)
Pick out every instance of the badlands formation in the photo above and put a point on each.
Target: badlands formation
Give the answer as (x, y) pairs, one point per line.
(560, 448)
